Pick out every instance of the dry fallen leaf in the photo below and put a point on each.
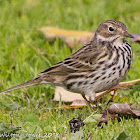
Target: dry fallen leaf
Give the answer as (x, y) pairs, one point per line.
(136, 38)
(123, 108)
(71, 107)
(78, 103)
(67, 96)
(105, 116)
(70, 37)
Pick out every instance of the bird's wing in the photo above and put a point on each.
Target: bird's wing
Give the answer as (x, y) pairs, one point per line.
(80, 61)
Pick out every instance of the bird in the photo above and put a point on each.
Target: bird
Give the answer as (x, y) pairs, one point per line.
(97, 66)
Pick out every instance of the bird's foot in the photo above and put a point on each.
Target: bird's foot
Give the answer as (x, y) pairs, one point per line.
(88, 102)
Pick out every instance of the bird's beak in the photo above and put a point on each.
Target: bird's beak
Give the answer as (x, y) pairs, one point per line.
(126, 34)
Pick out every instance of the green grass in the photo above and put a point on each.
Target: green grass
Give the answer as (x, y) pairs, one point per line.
(21, 49)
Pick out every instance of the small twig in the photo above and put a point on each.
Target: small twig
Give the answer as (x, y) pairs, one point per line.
(119, 86)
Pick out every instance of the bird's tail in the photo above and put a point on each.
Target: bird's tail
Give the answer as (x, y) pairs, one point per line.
(26, 84)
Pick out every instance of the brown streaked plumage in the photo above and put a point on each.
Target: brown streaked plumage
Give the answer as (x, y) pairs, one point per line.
(97, 66)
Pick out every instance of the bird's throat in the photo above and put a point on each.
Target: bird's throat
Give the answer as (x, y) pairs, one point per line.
(108, 39)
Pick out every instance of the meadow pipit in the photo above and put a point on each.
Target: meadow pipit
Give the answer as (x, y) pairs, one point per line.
(99, 65)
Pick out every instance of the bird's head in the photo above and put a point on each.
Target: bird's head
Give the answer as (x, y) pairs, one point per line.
(111, 30)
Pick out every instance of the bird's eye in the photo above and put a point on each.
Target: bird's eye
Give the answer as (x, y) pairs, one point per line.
(110, 29)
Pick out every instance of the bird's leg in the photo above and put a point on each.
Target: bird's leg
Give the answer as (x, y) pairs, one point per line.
(88, 102)
(102, 94)
(113, 96)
